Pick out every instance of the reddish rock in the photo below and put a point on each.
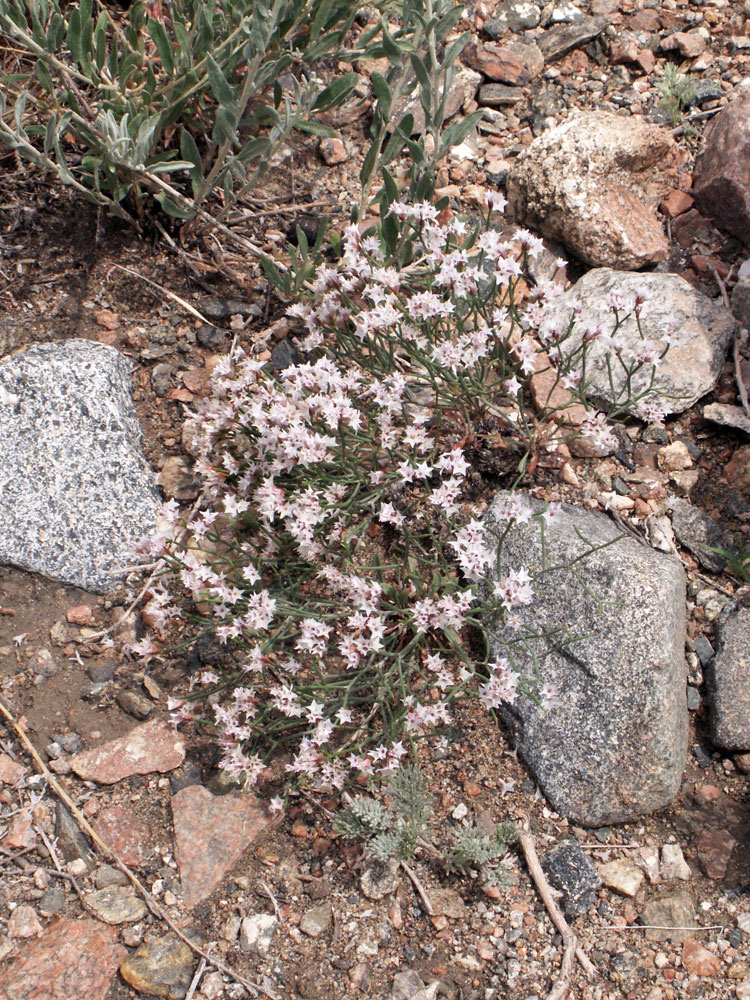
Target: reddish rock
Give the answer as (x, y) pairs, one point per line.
(549, 393)
(210, 834)
(625, 49)
(645, 20)
(107, 319)
(333, 151)
(688, 43)
(706, 793)
(721, 179)
(646, 60)
(128, 837)
(21, 833)
(688, 226)
(514, 63)
(11, 771)
(699, 961)
(154, 746)
(81, 614)
(737, 469)
(714, 849)
(676, 203)
(72, 959)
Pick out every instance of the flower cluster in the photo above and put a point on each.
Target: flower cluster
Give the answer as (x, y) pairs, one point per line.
(335, 553)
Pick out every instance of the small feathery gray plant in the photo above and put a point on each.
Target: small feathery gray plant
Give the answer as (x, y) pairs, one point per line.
(393, 829)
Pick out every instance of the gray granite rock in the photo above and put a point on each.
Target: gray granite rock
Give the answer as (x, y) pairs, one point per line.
(614, 746)
(699, 330)
(513, 15)
(698, 533)
(570, 872)
(75, 488)
(728, 677)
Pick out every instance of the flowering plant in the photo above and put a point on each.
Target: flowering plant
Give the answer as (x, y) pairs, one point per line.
(337, 549)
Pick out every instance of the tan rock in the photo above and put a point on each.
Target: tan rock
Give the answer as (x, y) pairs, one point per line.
(593, 183)
(622, 875)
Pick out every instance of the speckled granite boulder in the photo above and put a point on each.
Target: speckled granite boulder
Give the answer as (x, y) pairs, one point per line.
(728, 677)
(75, 487)
(700, 331)
(614, 747)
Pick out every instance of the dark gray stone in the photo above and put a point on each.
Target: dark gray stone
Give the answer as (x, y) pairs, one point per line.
(210, 336)
(704, 650)
(284, 355)
(698, 533)
(562, 38)
(693, 698)
(728, 677)
(75, 488)
(570, 872)
(614, 747)
(702, 758)
(71, 842)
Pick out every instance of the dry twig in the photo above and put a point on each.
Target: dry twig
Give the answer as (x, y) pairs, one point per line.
(569, 938)
(421, 891)
(255, 989)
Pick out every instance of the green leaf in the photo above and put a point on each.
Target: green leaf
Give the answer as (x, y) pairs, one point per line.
(163, 44)
(448, 22)
(42, 74)
(389, 186)
(369, 163)
(399, 139)
(191, 153)
(55, 32)
(172, 208)
(317, 128)
(324, 7)
(456, 47)
(457, 132)
(219, 83)
(280, 283)
(421, 71)
(382, 92)
(100, 40)
(225, 126)
(391, 48)
(336, 92)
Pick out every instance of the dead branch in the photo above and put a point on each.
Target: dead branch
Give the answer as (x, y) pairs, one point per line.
(543, 887)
